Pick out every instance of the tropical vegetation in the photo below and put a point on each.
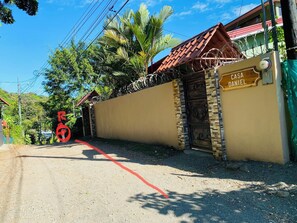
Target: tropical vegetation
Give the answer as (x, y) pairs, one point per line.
(132, 41)
(33, 119)
(119, 57)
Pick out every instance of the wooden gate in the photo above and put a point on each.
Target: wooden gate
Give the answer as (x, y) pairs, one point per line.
(197, 111)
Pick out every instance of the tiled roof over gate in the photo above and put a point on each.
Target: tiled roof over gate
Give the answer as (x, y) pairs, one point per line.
(194, 48)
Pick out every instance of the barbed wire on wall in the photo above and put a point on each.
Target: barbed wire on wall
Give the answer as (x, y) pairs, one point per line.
(215, 57)
(142, 83)
(148, 81)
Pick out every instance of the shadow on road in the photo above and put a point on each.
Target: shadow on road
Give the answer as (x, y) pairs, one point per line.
(57, 145)
(252, 203)
(199, 164)
(214, 206)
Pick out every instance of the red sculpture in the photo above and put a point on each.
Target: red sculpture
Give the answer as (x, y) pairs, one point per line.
(63, 132)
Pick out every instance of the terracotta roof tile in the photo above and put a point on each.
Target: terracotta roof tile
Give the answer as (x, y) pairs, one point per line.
(190, 49)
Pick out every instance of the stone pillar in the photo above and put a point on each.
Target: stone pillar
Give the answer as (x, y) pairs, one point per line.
(215, 115)
(92, 120)
(181, 116)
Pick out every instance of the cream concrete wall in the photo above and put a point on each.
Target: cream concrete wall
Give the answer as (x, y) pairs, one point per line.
(146, 116)
(254, 118)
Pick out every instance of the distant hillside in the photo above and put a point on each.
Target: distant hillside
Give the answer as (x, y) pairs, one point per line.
(8, 97)
(33, 116)
(13, 97)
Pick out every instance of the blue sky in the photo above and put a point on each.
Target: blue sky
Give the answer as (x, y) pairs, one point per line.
(25, 46)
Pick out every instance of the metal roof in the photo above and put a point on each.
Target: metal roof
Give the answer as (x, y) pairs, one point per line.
(252, 29)
(88, 96)
(248, 15)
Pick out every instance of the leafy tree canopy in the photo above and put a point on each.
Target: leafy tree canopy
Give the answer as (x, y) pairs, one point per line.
(70, 76)
(29, 6)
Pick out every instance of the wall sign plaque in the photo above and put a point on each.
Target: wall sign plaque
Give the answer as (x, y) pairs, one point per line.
(247, 77)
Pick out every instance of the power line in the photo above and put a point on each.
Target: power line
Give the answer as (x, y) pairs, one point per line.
(15, 82)
(64, 42)
(32, 83)
(90, 11)
(19, 103)
(93, 7)
(104, 27)
(81, 22)
(86, 15)
(180, 34)
(99, 19)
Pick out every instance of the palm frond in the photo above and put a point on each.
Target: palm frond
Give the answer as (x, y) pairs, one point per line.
(122, 54)
(165, 42)
(165, 12)
(142, 16)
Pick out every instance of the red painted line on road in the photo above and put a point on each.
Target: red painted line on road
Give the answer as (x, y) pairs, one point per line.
(123, 167)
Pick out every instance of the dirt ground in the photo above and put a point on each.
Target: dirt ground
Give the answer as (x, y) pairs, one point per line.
(73, 183)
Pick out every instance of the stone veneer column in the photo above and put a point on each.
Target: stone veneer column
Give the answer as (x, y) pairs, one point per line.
(181, 116)
(92, 120)
(215, 115)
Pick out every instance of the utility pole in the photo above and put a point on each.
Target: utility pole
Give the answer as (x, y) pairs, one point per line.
(289, 14)
(73, 108)
(264, 25)
(19, 102)
(274, 33)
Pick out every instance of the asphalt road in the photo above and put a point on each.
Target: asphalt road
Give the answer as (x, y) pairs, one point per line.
(73, 183)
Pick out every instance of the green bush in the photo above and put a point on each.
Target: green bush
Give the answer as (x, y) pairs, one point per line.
(16, 132)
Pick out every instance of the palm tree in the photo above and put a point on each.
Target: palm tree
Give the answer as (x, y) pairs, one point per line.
(136, 38)
(148, 31)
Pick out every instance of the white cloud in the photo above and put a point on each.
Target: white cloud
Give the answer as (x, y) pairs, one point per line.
(222, 1)
(69, 2)
(243, 9)
(185, 13)
(85, 2)
(200, 6)
(62, 2)
(152, 3)
(180, 15)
